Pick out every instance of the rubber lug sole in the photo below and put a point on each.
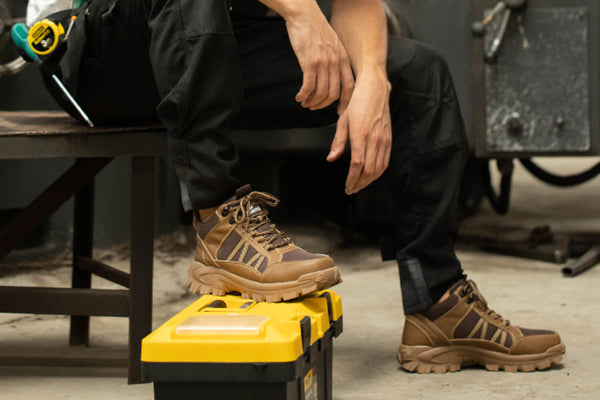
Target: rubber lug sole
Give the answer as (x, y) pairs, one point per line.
(425, 359)
(217, 281)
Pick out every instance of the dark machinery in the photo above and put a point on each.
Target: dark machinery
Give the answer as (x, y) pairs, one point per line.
(536, 86)
(539, 86)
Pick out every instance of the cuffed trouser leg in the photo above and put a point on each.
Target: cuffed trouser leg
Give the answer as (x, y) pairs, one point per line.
(196, 68)
(429, 151)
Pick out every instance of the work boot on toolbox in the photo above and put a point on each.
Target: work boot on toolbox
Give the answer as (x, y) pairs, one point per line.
(240, 250)
(463, 330)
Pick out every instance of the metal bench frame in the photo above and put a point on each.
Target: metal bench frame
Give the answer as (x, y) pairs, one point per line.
(35, 135)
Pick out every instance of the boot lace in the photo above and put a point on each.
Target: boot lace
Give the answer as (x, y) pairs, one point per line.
(474, 295)
(251, 211)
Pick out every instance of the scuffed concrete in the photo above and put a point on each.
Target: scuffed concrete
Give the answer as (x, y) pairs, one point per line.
(531, 293)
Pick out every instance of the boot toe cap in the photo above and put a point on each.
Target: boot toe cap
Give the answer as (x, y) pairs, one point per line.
(535, 342)
(286, 271)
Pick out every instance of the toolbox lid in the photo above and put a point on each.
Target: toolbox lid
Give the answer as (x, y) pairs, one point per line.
(229, 329)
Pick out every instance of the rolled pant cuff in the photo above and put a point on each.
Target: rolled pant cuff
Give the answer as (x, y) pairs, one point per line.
(415, 293)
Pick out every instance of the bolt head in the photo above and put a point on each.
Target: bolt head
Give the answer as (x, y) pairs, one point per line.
(514, 125)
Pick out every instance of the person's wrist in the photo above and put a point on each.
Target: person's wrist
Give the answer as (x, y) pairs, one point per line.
(370, 66)
(373, 71)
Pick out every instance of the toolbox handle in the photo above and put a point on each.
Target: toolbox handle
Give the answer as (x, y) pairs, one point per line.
(216, 304)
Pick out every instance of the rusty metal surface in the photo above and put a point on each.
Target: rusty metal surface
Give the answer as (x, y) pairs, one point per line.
(538, 91)
(49, 134)
(19, 123)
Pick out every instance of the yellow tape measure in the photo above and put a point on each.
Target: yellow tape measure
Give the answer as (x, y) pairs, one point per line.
(44, 36)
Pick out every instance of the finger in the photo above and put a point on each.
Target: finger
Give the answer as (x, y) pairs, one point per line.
(338, 145)
(357, 163)
(367, 178)
(387, 143)
(309, 80)
(347, 83)
(321, 89)
(334, 84)
(385, 159)
(370, 169)
(377, 156)
(362, 183)
(354, 172)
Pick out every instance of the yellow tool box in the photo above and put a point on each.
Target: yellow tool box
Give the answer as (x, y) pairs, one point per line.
(232, 348)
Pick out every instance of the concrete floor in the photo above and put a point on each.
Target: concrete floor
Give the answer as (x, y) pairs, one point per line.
(531, 293)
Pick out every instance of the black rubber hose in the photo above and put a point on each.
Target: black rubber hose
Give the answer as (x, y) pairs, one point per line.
(499, 202)
(558, 180)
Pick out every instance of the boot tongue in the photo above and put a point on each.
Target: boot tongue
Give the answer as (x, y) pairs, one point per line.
(243, 191)
(461, 282)
(255, 209)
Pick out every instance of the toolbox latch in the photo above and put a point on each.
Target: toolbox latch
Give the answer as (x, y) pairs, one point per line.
(336, 326)
(305, 332)
(327, 296)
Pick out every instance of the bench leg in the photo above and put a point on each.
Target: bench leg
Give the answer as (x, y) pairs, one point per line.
(83, 238)
(142, 250)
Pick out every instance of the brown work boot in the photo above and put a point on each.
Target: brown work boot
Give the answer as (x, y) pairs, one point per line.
(463, 330)
(240, 250)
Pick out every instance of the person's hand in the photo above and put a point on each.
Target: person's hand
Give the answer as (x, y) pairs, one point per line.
(325, 65)
(366, 122)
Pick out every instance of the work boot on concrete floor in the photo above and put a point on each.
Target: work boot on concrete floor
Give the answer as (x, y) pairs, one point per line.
(240, 250)
(462, 330)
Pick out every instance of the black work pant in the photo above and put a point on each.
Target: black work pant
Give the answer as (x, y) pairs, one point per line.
(205, 69)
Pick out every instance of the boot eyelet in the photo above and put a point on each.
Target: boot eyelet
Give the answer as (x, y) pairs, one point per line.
(232, 221)
(225, 211)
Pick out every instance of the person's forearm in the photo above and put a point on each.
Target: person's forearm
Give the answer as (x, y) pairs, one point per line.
(290, 8)
(361, 26)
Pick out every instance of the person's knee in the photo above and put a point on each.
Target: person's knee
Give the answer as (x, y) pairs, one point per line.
(418, 68)
(422, 88)
(427, 58)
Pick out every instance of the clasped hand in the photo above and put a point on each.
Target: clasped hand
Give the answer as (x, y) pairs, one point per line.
(326, 71)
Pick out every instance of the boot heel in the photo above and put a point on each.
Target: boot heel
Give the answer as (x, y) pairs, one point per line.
(202, 280)
(425, 359)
